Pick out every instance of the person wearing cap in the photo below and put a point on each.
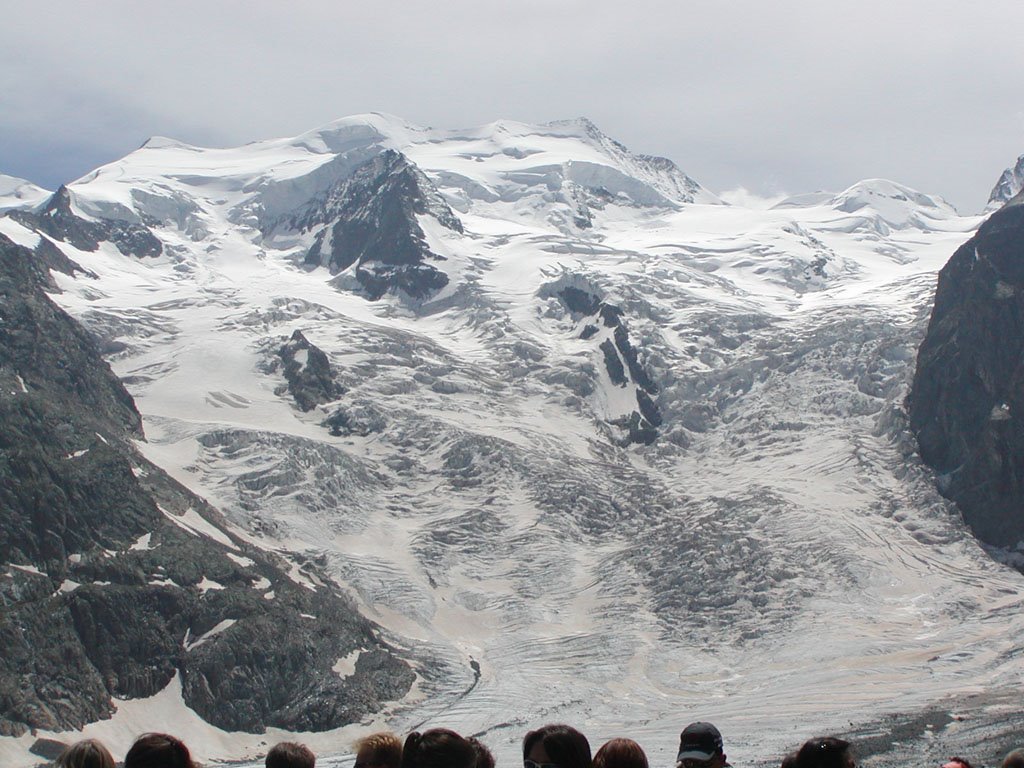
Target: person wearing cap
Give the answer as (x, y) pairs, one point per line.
(700, 746)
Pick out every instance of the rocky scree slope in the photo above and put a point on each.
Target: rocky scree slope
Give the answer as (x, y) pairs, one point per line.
(114, 578)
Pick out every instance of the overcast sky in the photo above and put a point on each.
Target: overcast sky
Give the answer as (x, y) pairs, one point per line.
(776, 96)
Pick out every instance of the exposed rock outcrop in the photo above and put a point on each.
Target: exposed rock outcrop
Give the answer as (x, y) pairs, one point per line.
(58, 220)
(967, 401)
(1010, 184)
(308, 372)
(621, 360)
(370, 221)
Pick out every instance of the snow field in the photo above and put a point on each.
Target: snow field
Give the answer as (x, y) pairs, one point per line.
(777, 562)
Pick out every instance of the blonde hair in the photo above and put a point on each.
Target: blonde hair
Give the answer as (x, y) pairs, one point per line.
(86, 754)
(385, 748)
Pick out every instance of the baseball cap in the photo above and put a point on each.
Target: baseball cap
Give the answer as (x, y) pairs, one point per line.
(699, 741)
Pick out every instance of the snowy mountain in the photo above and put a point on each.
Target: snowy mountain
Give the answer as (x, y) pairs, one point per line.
(18, 193)
(597, 447)
(886, 205)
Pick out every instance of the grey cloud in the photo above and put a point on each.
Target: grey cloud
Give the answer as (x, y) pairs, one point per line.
(789, 95)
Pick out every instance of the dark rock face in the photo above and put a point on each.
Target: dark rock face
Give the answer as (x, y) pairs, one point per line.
(114, 579)
(967, 401)
(612, 363)
(1009, 185)
(580, 302)
(58, 221)
(621, 361)
(308, 372)
(370, 221)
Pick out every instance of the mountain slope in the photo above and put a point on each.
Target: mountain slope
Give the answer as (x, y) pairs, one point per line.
(116, 579)
(637, 450)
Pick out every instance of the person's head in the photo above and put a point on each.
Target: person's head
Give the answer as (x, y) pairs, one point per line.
(1014, 760)
(484, 756)
(437, 748)
(825, 752)
(556, 745)
(620, 753)
(158, 750)
(86, 754)
(378, 750)
(700, 746)
(956, 762)
(288, 754)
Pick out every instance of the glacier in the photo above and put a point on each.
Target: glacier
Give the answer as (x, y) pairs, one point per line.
(775, 559)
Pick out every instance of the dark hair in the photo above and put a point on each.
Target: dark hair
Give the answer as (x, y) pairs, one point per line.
(1014, 759)
(566, 746)
(484, 756)
(288, 754)
(85, 754)
(437, 748)
(789, 761)
(158, 750)
(823, 752)
(620, 753)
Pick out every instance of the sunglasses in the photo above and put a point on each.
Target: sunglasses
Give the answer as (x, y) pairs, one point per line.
(531, 764)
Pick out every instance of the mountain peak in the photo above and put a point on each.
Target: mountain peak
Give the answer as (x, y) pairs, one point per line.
(1009, 186)
(364, 129)
(164, 142)
(19, 193)
(894, 204)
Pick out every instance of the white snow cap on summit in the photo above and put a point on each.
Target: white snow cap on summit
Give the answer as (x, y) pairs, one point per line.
(19, 193)
(509, 161)
(897, 205)
(163, 142)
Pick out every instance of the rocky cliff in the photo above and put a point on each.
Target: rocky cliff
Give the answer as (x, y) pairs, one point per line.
(967, 401)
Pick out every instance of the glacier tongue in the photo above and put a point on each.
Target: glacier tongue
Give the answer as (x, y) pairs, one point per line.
(775, 558)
